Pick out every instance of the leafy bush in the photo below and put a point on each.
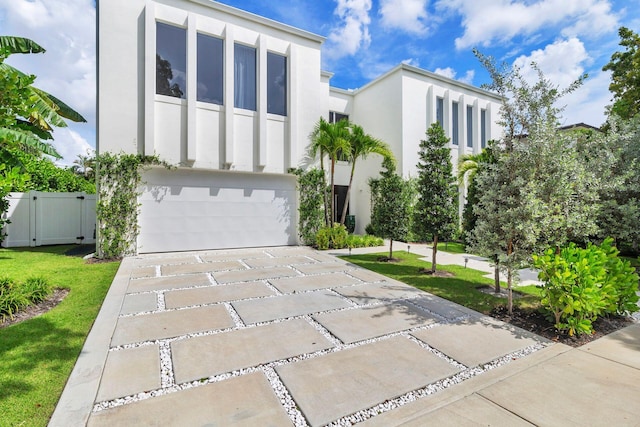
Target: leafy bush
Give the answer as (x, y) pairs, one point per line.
(357, 241)
(332, 237)
(311, 203)
(582, 284)
(15, 296)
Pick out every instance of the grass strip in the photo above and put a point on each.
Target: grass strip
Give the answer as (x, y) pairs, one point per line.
(38, 354)
(461, 289)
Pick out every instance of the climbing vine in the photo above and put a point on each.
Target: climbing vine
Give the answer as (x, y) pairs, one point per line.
(119, 180)
(311, 207)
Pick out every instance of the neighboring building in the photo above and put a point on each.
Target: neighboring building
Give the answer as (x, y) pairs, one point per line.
(231, 98)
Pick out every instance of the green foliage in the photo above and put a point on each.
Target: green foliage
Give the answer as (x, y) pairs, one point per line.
(436, 211)
(391, 199)
(120, 177)
(581, 285)
(10, 178)
(334, 237)
(16, 296)
(625, 75)
(311, 204)
(367, 241)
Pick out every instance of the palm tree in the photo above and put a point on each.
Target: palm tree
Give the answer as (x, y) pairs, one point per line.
(329, 139)
(85, 165)
(468, 167)
(361, 145)
(34, 111)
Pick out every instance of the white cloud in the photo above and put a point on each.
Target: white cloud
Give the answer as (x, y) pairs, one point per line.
(66, 29)
(451, 73)
(406, 15)
(69, 144)
(489, 21)
(587, 104)
(562, 62)
(353, 31)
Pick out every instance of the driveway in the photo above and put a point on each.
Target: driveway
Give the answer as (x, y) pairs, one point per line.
(292, 336)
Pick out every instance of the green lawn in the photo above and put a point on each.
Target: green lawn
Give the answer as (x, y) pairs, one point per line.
(38, 354)
(452, 247)
(461, 289)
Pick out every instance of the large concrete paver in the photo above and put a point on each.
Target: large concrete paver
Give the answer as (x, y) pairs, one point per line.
(572, 389)
(279, 261)
(308, 283)
(130, 371)
(369, 322)
(145, 261)
(139, 303)
(241, 401)
(253, 274)
(466, 342)
(442, 307)
(324, 267)
(233, 255)
(143, 272)
(163, 283)
(215, 294)
(379, 292)
(170, 324)
(281, 307)
(203, 267)
(622, 346)
(202, 357)
(329, 387)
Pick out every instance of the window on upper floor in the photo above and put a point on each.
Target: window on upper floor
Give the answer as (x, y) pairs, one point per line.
(469, 126)
(245, 77)
(440, 111)
(210, 69)
(455, 123)
(336, 117)
(276, 84)
(171, 60)
(483, 128)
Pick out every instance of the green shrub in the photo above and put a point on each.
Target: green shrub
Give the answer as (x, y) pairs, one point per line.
(582, 284)
(357, 241)
(36, 289)
(332, 237)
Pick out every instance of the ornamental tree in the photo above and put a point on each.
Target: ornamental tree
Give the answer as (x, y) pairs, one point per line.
(625, 75)
(435, 214)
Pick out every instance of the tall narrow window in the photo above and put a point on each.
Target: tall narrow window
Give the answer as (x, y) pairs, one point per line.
(469, 126)
(171, 60)
(245, 77)
(483, 128)
(335, 117)
(440, 111)
(276, 84)
(455, 131)
(210, 59)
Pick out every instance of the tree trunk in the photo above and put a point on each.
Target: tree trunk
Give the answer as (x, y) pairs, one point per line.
(324, 190)
(434, 253)
(343, 217)
(333, 192)
(390, 249)
(510, 293)
(496, 277)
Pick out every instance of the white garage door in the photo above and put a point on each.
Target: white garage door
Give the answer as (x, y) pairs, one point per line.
(185, 210)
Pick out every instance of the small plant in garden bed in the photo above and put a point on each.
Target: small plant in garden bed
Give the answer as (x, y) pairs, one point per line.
(15, 296)
(336, 237)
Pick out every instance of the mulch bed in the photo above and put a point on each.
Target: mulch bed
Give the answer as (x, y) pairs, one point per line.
(535, 322)
(35, 310)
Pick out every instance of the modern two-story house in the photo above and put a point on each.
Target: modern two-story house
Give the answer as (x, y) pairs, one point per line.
(231, 99)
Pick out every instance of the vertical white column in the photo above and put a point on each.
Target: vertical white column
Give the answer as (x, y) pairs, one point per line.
(446, 113)
(476, 127)
(149, 77)
(431, 106)
(262, 101)
(292, 104)
(229, 95)
(192, 84)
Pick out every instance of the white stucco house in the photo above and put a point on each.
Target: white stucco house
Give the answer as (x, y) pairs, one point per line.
(231, 98)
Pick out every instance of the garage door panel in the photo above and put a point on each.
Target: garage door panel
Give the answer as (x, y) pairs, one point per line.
(194, 210)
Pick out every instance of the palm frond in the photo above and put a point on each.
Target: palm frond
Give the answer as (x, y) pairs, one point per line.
(20, 45)
(63, 109)
(27, 140)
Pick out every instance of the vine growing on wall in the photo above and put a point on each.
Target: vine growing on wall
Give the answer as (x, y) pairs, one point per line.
(311, 204)
(119, 180)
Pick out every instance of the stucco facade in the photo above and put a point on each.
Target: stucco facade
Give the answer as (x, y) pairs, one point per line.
(234, 141)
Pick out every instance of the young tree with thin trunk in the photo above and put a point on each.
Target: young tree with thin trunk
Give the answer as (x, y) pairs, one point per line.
(436, 210)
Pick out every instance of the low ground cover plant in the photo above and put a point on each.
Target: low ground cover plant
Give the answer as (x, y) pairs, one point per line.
(337, 237)
(15, 296)
(582, 284)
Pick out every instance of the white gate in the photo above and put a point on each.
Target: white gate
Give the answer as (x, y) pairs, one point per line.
(39, 218)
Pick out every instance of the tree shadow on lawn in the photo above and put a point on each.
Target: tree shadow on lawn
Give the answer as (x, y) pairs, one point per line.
(35, 348)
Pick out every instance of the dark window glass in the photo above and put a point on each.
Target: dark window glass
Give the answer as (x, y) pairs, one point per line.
(210, 69)
(483, 128)
(171, 60)
(455, 131)
(276, 84)
(245, 77)
(336, 117)
(440, 111)
(469, 126)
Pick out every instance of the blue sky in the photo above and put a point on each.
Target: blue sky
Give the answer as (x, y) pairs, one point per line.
(364, 38)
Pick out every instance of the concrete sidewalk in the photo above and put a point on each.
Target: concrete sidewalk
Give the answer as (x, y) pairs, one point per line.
(292, 336)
